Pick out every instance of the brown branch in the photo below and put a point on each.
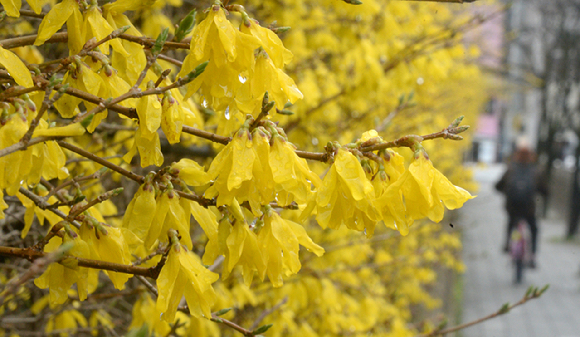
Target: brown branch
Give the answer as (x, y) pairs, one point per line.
(32, 255)
(37, 267)
(32, 14)
(207, 135)
(318, 156)
(76, 180)
(242, 330)
(106, 163)
(151, 288)
(170, 60)
(16, 91)
(29, 39)
(39, 201)
(103, 197)
(128, 112)
(63, 37)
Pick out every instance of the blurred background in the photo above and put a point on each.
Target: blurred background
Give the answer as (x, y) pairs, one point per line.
(532, 50)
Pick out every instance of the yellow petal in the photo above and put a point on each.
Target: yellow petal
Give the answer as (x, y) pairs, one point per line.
(15, 67)
(12, 7)
(54, 20)
(71, 130)
(352, 174)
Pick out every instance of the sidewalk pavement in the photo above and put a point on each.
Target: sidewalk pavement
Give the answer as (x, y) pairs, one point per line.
(488, 280)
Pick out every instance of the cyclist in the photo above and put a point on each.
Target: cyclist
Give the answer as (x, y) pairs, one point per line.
(520, 183)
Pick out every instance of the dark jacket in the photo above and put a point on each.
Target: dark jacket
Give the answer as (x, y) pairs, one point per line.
(528, 206)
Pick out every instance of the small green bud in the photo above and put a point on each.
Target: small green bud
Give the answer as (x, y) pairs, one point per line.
(504, 309)
(284, 112)
(185, 26)
(160, 42)
(223, 311)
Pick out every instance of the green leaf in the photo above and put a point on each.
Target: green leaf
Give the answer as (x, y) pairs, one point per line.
(262, 329)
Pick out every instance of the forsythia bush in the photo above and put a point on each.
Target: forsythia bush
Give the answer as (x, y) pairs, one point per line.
(229, 175)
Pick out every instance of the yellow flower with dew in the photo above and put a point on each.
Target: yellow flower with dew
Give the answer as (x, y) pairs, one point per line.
(231, 55)
(266, 77)
(183, 274)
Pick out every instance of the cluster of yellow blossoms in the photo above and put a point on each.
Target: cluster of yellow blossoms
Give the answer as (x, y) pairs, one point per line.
(252, 201)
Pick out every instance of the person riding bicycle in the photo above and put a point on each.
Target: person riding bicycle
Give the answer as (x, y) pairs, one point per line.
(520, 183)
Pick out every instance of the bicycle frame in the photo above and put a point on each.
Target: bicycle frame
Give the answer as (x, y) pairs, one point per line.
(519, 249)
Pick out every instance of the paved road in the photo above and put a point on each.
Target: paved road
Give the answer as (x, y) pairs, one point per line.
(488, 278)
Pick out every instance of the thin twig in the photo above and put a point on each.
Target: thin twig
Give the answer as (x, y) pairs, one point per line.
(531, 293)
(39, 201)
(106, 163)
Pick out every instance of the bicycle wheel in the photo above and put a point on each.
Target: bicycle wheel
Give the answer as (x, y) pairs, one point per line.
(519, 263)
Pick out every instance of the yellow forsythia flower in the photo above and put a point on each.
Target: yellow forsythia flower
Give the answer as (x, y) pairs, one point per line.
(101, 318)
(269, 41)
(59, 277)
(110, 246)
(183, 274)
(280, 240)
(243, 249)
(140, 211)
(293, 177)
(146, 313)
(67, 320)
(231, 55)
(346, 196)
(436, 189)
